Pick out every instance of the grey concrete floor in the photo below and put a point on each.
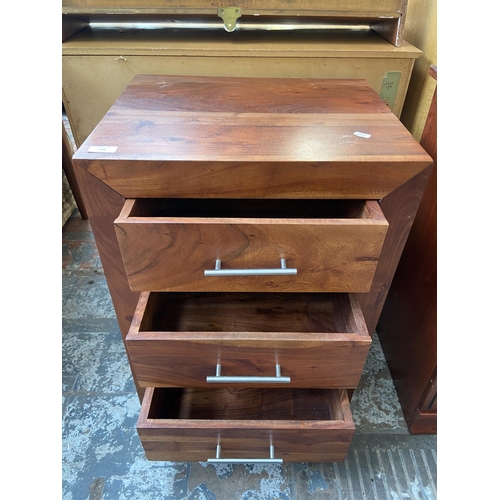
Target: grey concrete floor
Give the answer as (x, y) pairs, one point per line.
(102, 456)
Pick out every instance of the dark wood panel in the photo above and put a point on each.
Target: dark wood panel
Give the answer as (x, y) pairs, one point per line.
(408, 324)
(400, 208)
(245, 404)
(423, 422)
(308, 313)
(103, 206)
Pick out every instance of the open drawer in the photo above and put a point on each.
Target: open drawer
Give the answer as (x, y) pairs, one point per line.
(249, 339)
(245, 425)
(209, 245)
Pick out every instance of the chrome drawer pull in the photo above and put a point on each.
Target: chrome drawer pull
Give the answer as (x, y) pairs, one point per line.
(281, 271)
(270, 460)
(245, 380)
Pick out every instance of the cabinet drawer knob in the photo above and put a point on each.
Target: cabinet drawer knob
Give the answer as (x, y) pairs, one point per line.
(270, 460)
(218, 378)
(279, 271)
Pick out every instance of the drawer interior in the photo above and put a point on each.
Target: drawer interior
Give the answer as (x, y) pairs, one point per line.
(245, 404)
(245, 208)
(249, 312)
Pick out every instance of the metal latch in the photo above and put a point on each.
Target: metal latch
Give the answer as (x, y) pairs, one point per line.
(390, 85)
(229, 15)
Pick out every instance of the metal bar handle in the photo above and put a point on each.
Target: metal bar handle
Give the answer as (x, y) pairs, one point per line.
(280, 271)
(270, 460)
(218, 378)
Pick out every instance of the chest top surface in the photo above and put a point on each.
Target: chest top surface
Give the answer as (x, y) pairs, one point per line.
(161, 125)
(254, 119)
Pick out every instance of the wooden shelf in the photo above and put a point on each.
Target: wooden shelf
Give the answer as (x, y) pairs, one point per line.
(386, 17)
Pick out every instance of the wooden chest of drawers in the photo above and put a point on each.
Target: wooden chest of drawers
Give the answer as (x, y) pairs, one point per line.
(249, 229)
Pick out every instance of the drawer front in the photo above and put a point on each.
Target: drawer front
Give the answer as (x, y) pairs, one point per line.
(163, 252)
(301, 425)
(256, 339)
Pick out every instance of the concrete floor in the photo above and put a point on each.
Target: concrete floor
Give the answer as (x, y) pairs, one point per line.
(102, 454)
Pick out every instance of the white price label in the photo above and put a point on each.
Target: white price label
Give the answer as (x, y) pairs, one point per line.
(102, 149)
(362, 134)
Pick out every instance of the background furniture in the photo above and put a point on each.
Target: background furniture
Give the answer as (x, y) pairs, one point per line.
(69, 171)
(386, 17)
(191, 170)
(408, 324)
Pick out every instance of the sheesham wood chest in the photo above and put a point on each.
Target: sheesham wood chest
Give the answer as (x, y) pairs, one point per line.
(249, 229)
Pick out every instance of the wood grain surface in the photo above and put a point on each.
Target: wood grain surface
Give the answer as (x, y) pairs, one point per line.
(168, 249)
(408, 324)
(245, 422)
(400, 208)
(177, 339)
(103, 206)
(251, 138)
